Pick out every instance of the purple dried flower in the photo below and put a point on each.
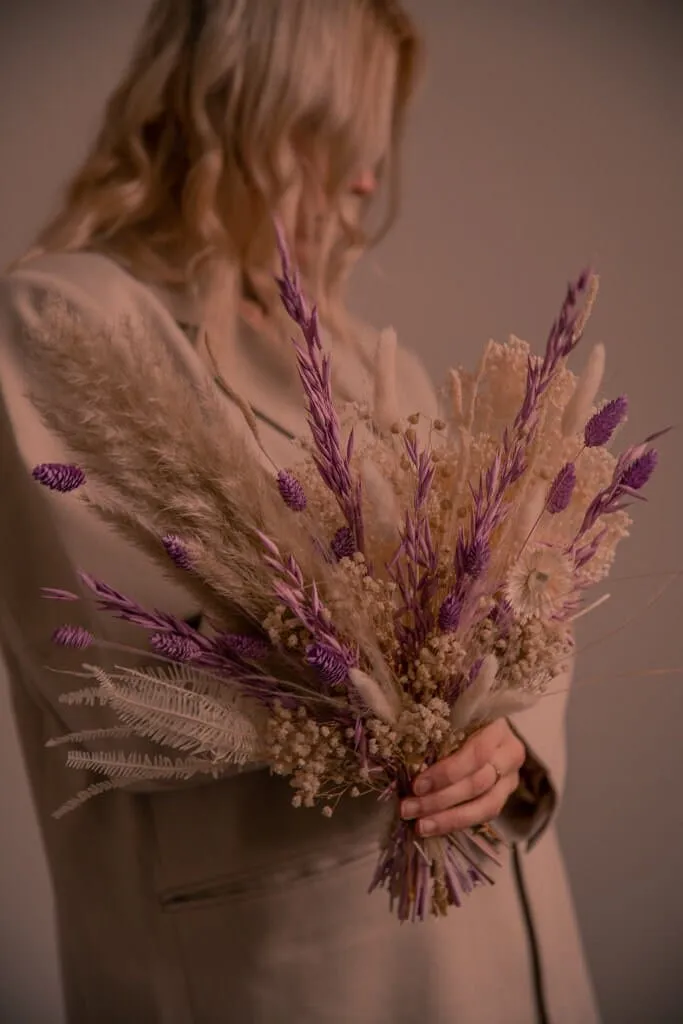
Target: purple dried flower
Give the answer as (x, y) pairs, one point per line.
(561, 489)
(331, 664)
(454, 688)
(290, 291)
(59, 476)
(584, 554)
(604, 422)
(459, 683)
(174, 646)
(343, 543)
(73, 636)
(637, 474)
(177, 551)
(633, 469)
(425, 473)
(502, 615)
(250, 648)
(475, 557)
(291, 490)
(449, 613)
(56, 594)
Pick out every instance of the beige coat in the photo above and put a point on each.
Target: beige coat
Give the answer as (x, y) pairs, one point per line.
(220, 903)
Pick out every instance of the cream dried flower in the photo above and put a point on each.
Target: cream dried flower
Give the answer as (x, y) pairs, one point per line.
(385, 401)
(540, 582)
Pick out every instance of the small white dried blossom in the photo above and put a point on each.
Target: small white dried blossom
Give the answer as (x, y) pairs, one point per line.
(540, 582)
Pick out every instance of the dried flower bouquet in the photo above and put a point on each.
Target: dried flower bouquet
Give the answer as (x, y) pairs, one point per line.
(398, 586)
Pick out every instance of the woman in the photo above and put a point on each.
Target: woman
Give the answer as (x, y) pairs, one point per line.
(214, 903)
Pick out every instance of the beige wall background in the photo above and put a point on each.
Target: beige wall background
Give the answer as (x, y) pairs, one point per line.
(549, 134)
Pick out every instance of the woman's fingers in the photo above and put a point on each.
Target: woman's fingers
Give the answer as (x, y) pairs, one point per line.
(475, 812)
(469, 787)
(472, 756)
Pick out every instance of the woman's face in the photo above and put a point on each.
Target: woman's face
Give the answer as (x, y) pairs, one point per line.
(317, 220)
(312, 222)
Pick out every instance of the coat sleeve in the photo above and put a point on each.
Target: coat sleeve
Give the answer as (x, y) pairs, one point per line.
(42, 535)
(542, 727)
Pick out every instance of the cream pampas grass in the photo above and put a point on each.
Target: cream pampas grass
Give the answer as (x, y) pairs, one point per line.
(165, 450)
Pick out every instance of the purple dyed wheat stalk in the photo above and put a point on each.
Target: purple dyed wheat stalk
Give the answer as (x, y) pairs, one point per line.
(121, 607)
(325, 652)
(415, 566)
(510, 461)
(563, 338)
(178, 641)
(332, 459)
(633, 470)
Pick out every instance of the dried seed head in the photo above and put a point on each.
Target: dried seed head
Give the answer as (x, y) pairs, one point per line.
(291, 491)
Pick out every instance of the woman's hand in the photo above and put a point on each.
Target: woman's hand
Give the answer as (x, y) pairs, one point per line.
(472, 786)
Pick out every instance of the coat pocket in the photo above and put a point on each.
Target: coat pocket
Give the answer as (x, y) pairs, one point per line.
(251, 884)
(241, 835)
(302, 943)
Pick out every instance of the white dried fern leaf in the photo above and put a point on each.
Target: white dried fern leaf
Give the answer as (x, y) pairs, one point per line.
(201, 681)
(137, 767)
(88, 735)
(86, 794)
(88, 697)
(161, 708)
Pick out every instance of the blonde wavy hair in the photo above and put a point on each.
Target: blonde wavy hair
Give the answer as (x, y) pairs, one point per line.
(232, 111)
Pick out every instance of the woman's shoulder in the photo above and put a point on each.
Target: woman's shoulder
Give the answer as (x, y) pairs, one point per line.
(52, 292)
(87, 281)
